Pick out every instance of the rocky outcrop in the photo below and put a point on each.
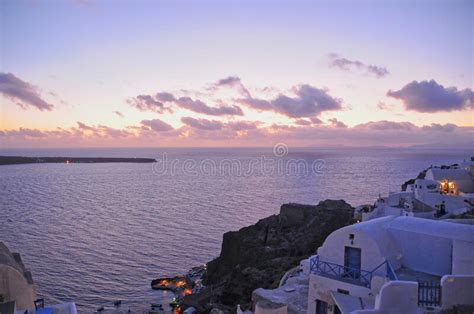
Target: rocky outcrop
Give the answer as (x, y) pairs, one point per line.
(421, 175)
(258, 255)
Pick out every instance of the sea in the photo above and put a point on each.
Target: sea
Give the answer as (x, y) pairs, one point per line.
(95, 233)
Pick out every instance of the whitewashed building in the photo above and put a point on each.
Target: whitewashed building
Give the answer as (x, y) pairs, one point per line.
(393, 265)
(442, 192)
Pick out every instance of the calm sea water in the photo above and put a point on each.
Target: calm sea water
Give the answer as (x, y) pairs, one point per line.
(95, 233)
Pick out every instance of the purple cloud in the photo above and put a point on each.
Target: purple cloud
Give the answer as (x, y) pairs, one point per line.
(157, 103)
(336, 61)
(203, 124)
(309, 101)
(165, 97)
(230, 80)
(233, 82)
(148, 103)
(23, 93)
(201, 107)
(157, 125)
(259, 104)
(429, 96)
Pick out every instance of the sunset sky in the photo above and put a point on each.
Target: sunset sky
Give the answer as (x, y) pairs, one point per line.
(236, 73)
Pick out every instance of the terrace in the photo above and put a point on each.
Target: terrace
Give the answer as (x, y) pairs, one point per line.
(350, 275)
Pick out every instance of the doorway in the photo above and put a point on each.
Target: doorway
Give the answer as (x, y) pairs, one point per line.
(352, 262)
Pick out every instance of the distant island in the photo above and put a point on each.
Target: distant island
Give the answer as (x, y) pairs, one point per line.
(15, 160)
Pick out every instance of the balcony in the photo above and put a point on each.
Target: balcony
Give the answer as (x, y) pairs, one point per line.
(347, 274)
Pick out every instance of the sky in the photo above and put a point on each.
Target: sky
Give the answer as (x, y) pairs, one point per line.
(128, 73)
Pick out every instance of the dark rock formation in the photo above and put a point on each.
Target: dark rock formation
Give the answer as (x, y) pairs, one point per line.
(258, 255)
(421, 175)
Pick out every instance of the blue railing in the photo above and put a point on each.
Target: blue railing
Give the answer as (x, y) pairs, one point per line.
(390, 272)
(352, 275)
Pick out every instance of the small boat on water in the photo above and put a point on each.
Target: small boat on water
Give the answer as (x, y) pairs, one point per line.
(118, 302)
(156, 305)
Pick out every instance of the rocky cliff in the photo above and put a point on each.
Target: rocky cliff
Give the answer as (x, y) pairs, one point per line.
(258, 255)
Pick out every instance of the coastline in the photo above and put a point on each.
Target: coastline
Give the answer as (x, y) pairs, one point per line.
(17, 160)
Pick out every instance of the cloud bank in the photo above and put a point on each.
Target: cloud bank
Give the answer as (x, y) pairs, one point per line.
(205, 132)
(303, 104)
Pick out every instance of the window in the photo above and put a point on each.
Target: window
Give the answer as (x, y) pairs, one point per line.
(343, 291)
(321, 307)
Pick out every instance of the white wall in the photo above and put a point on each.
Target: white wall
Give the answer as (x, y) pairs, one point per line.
(376, 246)
(463, 258)
(456, 290)
(451, 202)
(395, 297)
(422, 190)
(393, 199)
(334, 247)
(320, 289)
(393, 211)
(14, 286)
(428, 254)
